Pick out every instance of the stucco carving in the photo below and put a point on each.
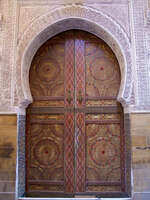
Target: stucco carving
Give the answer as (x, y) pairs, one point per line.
(73, 17)
(7, 54)
(147, 38)
(119, 13)
(27, 14)
(142, 71)
(148, 17)
(1, 19)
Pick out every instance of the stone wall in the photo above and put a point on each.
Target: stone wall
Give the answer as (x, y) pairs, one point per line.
(140, 130)
(8, 130)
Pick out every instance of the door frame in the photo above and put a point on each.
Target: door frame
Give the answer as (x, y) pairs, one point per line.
(21, 123)
(120, 45)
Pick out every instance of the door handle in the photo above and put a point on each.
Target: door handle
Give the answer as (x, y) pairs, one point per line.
(69, 98)
(80, 98)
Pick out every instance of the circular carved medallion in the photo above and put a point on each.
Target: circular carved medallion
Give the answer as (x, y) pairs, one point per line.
(102, 69)
(47, 69)
(102, 152)
(46, 152)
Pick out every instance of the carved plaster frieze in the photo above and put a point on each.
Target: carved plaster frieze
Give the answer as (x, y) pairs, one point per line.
(148, 17)
(68, 2)
(1, 21)
(7, 54)
(140, 29)
(119, 13)
(73, 17)
(27, 14)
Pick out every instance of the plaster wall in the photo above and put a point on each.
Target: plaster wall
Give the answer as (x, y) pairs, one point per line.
(133, 16)
(140, 130)
(8, 133)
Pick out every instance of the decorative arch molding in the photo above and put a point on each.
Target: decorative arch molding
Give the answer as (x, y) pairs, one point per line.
(66, 18)
(45, 27)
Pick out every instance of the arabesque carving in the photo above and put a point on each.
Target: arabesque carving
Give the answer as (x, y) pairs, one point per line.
(66, 18)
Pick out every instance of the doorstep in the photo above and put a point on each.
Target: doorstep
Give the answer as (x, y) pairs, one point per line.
(28, 198)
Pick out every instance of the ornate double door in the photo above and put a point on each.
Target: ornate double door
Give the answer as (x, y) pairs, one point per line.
(75, 135)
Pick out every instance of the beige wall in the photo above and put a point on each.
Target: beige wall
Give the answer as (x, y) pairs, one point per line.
(140, 131)
(7, 156)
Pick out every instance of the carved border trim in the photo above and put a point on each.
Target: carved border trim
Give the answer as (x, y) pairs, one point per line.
(66, 18)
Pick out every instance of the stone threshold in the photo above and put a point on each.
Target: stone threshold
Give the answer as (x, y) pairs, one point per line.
(28, 198)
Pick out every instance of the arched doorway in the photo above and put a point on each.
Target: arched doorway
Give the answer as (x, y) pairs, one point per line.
(75, 142)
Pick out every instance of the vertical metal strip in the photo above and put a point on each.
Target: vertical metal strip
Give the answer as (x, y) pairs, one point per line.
(80, 116)
(122, 153)
(21, 168)
(127, 154)
(27, 152)
(69, 116)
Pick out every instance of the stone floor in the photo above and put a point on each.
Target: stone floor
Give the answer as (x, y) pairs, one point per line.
(74, 198)
(137, 196)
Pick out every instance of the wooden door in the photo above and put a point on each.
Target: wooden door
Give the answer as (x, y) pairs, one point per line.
(75, 135)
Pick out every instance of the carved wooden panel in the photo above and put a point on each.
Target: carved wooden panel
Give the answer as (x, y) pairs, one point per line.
(75, 134)
(102, 70)
(47, 71)
(103, 153)
(79, 116)
(50, 134)
(45, 153)
(69, 116)
(103, 131)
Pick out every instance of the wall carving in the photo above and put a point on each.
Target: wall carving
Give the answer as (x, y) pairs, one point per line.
(64, 2)
(65, 18)
(28, 14)
(7, 26)
(143, 87)
(119, 13)
(148, 38)
(148, 17)
(11, 13)
(1, 19)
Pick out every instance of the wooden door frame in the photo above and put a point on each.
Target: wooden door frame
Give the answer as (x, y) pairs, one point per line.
(21, 122)
(119, 43)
